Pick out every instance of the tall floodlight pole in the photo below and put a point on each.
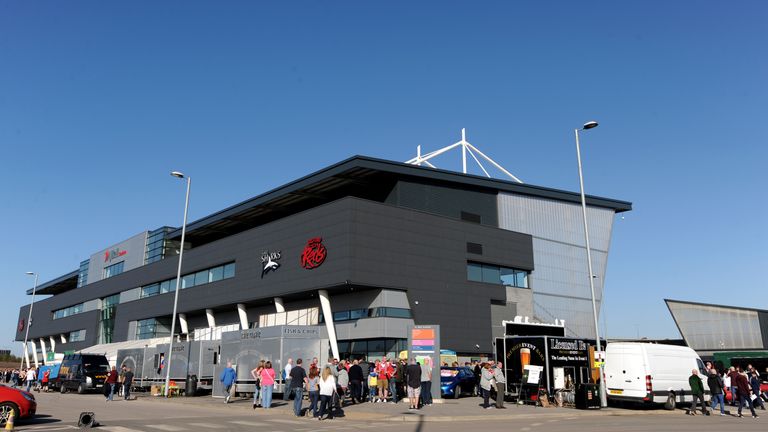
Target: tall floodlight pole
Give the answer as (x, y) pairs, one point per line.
(587, 126)
(29, 321)
(169, 355)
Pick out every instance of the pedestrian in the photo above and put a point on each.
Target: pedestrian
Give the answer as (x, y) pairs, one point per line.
(127, 383)
(501, 385)
(111, 382)
(732, 374)
(373, 382)
(356, 382)
(256, 374)
(382, 380)
(30, 378)
(754, 382)
(413, 384)
(342, 382)
(120, 378)
(486, 375)
(366, 368)
(287, 379)
(716, 386)
(46, 378)
(477, 370)
(727, 386)
(399, 387)
(426, 381)
(743, 390)
(327, 384)
(313, 390)
(298, 379)
(227, 378)
(267, 385)
(697, 392)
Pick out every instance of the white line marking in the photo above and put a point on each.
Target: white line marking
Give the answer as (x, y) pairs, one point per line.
(207, 425)
(169, 428)
(247, 423)
(284, 421)
(118, 429)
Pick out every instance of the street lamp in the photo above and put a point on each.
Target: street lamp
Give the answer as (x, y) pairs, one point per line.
(587, 126)
(29, 321)
(169, 357)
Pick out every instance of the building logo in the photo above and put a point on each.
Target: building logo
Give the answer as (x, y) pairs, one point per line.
(113, 253)
(21, 325)
(314, 253)
(269, 262)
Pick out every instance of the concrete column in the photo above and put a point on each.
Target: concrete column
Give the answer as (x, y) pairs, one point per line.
(42, 348)
(183, 323)
(211, 318)
(279, 306)
(243, 316)
(53, 344)
(325, 304)
(34, 353)
(63, 338)
(26, 354)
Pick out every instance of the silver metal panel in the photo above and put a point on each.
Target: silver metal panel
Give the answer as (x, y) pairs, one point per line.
(130, 251)
(706, 327)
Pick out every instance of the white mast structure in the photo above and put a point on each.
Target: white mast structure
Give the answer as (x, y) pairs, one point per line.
(466, 147)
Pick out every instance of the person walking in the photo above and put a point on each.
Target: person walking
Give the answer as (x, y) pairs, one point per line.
(313, 390)
(287, 379)
(127, 383)
(426, 381)
(342, 382)
(399, 380)
(413, 384)
(267, 384)
(697, 392)
(366, 368)
(754, 382)
(46, 378)
(227, 378)
(486, 375)
(356, 382)
(327, 384)
(501, 385)
(732, 374)
(256, 374)
(716, 386)
(111, 381)
(30, 378)
(743, 390)
(382, 380)
(298, 382)
(120, 377)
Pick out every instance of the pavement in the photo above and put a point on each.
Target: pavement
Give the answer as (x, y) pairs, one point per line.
(59, 412)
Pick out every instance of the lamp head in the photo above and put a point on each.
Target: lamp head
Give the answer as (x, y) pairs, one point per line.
(589, 125)
(177, 174)
(30, 273)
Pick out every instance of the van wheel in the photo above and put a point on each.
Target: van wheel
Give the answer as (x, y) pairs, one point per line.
(63, 389)
(81, 388)
(5, 411)
(670, 404)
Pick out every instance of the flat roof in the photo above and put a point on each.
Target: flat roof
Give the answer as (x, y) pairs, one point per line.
(359, 173)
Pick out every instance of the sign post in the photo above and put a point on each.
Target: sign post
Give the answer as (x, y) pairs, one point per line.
(424, 341)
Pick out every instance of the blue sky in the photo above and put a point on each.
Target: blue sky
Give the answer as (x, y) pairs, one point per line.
(99, 101)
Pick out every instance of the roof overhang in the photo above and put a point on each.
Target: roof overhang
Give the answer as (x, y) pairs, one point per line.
(58, 285)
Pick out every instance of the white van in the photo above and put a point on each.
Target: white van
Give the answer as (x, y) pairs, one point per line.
(651, 373)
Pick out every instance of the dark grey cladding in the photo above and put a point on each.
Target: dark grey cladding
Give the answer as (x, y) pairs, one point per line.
(369, 244)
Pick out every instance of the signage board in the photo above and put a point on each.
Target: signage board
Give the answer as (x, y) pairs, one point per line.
(424, 341)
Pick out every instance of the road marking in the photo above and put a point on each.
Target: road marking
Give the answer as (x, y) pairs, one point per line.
(525, 429)
(170, 428)
(247, 423)
(536, 424)
(207, 425)
(118, 429)
(284, 421)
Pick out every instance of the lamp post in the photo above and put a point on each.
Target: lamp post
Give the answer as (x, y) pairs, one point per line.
(587, 126)
(169, 356)
(29, 321)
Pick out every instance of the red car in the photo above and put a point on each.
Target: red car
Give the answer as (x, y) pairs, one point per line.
(22, 403)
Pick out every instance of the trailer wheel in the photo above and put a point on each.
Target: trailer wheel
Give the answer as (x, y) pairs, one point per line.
(670, 404)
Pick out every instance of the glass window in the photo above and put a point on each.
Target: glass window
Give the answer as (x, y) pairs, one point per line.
(229, 270)
(188, 281)
(113, 270)
(474, 272)
(341, 316)
(358, 313)
(150, 290)
(201, 277)
(377, 345)
(165, 286)
(77, 336)
(491, 274)
(508, 276)
(217, 273)
(521, 278)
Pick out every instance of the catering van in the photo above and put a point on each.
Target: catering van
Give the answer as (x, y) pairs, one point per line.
(82, 372)
(651, 373)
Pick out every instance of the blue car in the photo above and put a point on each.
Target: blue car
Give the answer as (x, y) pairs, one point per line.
(455, 381)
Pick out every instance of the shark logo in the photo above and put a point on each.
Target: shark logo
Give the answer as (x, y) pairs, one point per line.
(114, 253)
(269, 262)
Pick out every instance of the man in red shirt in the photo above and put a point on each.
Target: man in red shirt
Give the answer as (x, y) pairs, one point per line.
(111, 382)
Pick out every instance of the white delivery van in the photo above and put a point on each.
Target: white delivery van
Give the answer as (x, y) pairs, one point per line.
(651, 373)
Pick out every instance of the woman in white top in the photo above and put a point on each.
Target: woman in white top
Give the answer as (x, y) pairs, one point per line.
(327, 385)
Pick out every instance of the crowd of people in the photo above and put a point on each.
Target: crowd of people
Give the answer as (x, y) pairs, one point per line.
(337, 383)
(742, 384)
(25, 378)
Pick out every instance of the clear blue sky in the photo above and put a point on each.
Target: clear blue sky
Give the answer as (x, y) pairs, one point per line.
(99, 101)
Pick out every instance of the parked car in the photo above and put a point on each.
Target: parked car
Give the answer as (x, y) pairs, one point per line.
(22, 404)
(82, 372)
(455, 381)
(651, 373)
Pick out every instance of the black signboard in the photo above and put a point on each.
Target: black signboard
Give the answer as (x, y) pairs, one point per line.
(523, 329)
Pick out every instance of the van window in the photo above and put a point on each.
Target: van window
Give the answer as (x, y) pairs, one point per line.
(702, 368)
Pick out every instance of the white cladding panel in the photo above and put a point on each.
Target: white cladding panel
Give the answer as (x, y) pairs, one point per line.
(560, 281)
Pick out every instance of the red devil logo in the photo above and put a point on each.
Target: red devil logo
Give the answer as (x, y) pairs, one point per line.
(21, 325)
(314, 253)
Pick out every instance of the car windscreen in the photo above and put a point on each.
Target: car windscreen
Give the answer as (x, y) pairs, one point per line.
(96, 367)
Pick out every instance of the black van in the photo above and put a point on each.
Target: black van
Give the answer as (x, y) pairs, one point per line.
(83, 372)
